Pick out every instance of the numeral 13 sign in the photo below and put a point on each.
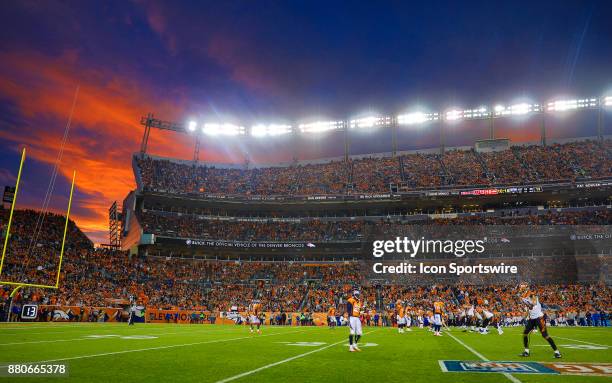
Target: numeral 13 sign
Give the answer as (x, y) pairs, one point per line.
(29, 311)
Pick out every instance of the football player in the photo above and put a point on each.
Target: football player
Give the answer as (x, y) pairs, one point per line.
(535, 320)
(487, 317)
(353, 308)
(471, 317)
(408, 318)
(437, 317)
(254, 316)
(401, 316)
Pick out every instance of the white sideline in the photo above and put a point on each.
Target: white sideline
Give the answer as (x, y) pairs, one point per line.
(251, 372)
(482, 357)
(158, 348)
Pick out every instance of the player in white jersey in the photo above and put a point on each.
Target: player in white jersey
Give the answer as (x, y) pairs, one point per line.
(462, 315)
(400, 317)
(487, 319)
(470, 319)
(254, 316)
(479, 318)
(535, 320)
(408, 320)
(430, 319)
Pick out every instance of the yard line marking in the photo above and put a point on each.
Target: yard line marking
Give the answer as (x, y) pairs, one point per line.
(470, 349)
(69, 326)
(582, 341)
(251, 372)
(88, 336)
(58, 330)
(482, 357)
(44, 341)
(157, 348)
(101, 328)
(53, 326)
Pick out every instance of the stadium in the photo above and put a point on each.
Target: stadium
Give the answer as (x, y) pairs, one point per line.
(340, 249)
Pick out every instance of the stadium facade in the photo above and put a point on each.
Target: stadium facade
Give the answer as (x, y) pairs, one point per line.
(332, 210)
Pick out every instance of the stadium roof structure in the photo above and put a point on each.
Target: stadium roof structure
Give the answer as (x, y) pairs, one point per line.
(198, 129)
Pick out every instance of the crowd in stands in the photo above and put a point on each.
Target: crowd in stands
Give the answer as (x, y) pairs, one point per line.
(577, 302)
(519, 164)
(423, 171)
(506, 167)
(375, 174)
(33, 255)
(464, 168)
(98, 277)
(194, 226)
(102, 276)
(189, 226)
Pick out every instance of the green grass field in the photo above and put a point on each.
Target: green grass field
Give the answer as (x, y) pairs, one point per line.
(209, 353)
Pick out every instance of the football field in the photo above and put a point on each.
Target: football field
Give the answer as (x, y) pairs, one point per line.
(209, 353)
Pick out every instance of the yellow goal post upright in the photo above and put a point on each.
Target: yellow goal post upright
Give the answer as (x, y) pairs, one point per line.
(19, 285)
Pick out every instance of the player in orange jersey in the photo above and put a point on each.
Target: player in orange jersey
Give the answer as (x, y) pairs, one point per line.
(353, 309)
(437, 317)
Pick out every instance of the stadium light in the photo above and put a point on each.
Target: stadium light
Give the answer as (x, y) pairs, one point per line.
(370, 122)
(214, 129)
(480, 112)
(520, 109)
(413, 118)
(564, 105)
(192, 126)
(261, 130)
(416, 118)
(321, 126)
(516, 109)
(454, 115)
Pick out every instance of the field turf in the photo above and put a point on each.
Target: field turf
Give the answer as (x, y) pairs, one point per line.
(209, 353)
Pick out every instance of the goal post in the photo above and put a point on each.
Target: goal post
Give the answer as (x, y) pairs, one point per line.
(8, 229)
(59, 268)
(8, 226)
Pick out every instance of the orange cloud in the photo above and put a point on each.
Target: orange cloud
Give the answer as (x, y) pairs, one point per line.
(105, 127)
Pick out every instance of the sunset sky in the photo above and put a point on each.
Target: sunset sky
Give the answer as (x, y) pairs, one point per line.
(276, 61)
